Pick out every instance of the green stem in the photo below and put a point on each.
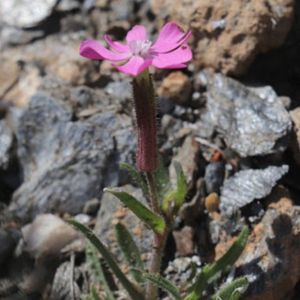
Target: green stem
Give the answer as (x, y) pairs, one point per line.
(159, 241)
(155, 264)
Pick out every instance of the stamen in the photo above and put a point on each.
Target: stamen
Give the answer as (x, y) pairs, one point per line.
(140, 48)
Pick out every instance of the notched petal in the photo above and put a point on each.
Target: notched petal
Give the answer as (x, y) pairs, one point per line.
(93, 50)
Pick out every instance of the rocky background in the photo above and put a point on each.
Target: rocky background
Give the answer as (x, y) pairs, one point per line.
(232, 119)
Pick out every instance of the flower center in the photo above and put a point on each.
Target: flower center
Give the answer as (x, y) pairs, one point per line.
(140, 48)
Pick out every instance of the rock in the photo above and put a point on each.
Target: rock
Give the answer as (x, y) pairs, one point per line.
(212, 202)
(65, 162)
(184, 240)
(247, 185)
(188, 157)
(13, 36)
(54, 55)
(46, 236)
(111, 212)
(25, 86)
(252, 121)
(67, 5)
(214, 176)
(122, 9)
(64, 286)
(180, 269)
(9, 73)
(91, 207)
(6, 141)
(243, 28)
(295, 143)
(270, 258)
(8, 241)
(26, 13)
(176, 87)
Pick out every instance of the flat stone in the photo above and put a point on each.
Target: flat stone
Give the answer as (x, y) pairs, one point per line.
(252, 121)
(248, 185)
(67, 163)
(25, 13)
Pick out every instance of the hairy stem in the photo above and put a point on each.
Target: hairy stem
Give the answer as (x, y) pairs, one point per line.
(159, 241)
(145, 110)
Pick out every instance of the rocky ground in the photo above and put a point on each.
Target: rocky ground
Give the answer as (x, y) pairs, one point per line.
(232, 119)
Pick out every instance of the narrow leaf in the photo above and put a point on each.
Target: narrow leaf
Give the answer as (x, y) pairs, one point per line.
(96, 267)
(95, 295)
(211, 271)
(164, 284)
(130, 288)
(130, 251)
(233, 290)
(181, 184)
(162, 179)
(154, 221)
(184, 286)
(137, 177)
(176, 196)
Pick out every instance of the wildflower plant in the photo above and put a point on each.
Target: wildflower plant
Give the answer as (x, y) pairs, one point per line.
(169, 51)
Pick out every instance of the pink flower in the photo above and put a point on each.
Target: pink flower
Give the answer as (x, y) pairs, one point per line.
(169, 51)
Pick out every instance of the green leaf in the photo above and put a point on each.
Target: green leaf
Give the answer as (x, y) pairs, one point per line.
(162, 179)
(109, 259)
(154, 221)
(211, 271)
(95, 295)
(130, 251)
(184, 285)
(164, 284)
(97, 270)
(137, 177)
(176, 197)
(233, 290)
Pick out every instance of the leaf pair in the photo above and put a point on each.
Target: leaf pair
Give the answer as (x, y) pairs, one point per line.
(132, 290)
(151, 219)
(211, 271)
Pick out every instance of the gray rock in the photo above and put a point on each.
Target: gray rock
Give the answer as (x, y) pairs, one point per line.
(6, 140)
(214, 176)
(46, 236)
(25, 13)
(8, 241)
(64, 286)
(12, 36)
(67, 5)
(245, 186)
(252, 121)
(111, 212)
(67, 163)
(180, 269)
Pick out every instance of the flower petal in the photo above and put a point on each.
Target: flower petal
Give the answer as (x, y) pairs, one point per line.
(137, 33)
(134, 66)
(116, 45)
(93, 50)
(178, 66)
(172, 59)
(170, 37)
